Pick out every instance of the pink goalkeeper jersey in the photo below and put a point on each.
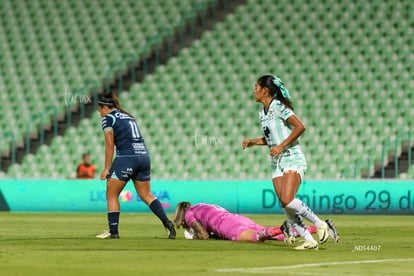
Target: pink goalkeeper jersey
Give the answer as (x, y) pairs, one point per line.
(218, 220)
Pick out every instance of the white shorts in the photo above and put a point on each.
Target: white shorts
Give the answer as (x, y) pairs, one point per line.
(288, 162)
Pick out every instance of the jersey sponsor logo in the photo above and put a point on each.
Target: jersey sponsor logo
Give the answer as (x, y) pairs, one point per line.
(271, 115)
(138, 146)
(127, 173)
(121, 116)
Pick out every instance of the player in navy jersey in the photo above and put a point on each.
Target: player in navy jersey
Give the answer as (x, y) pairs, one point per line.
(282, 128)
(132, 161)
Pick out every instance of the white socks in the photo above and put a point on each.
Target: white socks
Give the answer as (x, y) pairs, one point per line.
(294, 211)
(303, 210)
(297, 222)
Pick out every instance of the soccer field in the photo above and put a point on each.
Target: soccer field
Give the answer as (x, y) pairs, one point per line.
(65, 244)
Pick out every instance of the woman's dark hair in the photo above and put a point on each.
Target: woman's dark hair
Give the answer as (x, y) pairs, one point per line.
(111, 100)
(270, 82)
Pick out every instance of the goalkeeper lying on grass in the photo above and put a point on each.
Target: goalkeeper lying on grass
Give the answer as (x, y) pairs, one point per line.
(203, 221)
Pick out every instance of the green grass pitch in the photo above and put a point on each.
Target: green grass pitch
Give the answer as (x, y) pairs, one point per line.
(65, 244)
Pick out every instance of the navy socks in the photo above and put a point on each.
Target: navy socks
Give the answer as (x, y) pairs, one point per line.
(155, 206)
(157, 209)
(113, 221)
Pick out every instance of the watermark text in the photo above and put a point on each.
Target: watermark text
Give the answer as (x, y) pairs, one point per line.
(76, 97)
(205, 140)
(367, 248)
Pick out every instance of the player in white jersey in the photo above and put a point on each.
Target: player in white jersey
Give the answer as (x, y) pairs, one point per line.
(282, 128)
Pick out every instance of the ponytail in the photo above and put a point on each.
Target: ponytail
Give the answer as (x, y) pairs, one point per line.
(276, 89)
(111, 100)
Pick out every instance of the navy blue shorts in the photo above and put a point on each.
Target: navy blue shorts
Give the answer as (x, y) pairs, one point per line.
(131, 167)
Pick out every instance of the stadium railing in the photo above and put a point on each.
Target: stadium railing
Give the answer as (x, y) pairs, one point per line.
(9, 138)
(394, 147)
(356, 170)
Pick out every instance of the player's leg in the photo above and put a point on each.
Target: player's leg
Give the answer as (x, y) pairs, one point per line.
(282, 237)
(113, 189)
(288, 230)
(261, 235)
(292, 179)
(294, 168)
(242, 228)
(141, 179)
(266, 233)
(248, 235)
(290, 184)
(143, 190)
(277, 185)
(114, 184)
(287, 225)
(311, 228)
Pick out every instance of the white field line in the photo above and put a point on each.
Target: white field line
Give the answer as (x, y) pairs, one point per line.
(276, 268)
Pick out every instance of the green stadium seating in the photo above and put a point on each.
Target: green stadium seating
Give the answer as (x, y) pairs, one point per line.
(349, 74)
(49, 47)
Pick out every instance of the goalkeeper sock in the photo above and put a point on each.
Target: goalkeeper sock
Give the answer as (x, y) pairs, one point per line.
(265, 233)
(113, 221)
(312, 229)
(157, 209)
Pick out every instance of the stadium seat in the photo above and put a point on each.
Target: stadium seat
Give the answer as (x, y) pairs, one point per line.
(349, 75)
(60, 46)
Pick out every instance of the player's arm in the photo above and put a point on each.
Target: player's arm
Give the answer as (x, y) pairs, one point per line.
(199, 232)
(298, 127)
(109, 151)
(247, 143)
